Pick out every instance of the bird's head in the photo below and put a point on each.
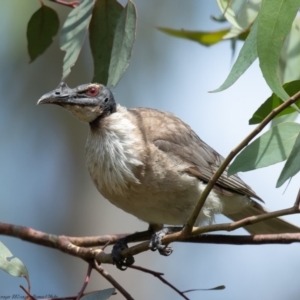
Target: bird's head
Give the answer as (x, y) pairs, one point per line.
(87, 102)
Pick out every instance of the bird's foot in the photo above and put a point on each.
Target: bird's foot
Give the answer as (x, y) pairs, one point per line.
(121, 262)
(155, 242)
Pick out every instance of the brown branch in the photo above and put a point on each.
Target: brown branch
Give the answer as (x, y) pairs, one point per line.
(258, 239)
(71, 4)
(93, 241)
(192, 219)
(49, 240)
(218, 227)
(233, 225)
(29, 296)
(159, 276)
(110, 279)
(86, 281)
(68, 244)
(247, 221)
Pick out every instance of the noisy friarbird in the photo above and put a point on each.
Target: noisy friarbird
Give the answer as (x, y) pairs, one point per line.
(152, 165)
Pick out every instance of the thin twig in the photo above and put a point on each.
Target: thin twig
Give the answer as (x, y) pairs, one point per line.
(233, 225)
(27, 293)
(71, 4)
(159, 276)
(258, 239)
(109, 278)
(86, 281)
(247, 221)
(192, 219)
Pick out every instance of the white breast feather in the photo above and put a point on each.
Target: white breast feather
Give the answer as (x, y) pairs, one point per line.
(110, 154)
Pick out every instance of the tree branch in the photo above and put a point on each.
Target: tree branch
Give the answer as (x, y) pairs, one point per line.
(110, 279)
(192, 219)
(71, 4)
(87, 251)
(159, 275)
(86, 281)
(258, 239)
(49, 240)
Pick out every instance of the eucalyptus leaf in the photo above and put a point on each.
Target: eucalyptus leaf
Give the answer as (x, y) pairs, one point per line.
(233, 33)
(73, 33)
(290, 54)
(42, 27)
(274, 101)
(246, 57)
(99, 295)
(205, 38)
(270, 148)
(106, 15)
(274, 23)
(122, 44)
(292, 165)
(240, 13)
(12, 265)
(217, 288)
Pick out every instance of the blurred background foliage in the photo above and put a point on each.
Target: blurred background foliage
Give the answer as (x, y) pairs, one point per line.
(45, 185)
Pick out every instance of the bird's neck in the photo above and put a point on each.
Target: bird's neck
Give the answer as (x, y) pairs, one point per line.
(111, 154)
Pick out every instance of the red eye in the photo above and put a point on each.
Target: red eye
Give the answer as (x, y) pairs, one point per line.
(92, 91)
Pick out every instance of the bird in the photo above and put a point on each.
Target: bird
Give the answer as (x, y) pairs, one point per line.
(151, 164)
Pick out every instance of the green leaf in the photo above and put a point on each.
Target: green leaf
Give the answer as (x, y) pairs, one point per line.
(203, 37)
(217, 288)
(42, 27)
(73, 33)
(290, 54)
(106, 15)
(10, 264)
(99, 295)
(246, 57)
(241, 14)
(272, 147)
(274, 22)
(123, 44)
(236, 32)
(292, 165)
(274, 101)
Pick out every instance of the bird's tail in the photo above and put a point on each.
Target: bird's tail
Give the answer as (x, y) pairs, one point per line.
(275, 225)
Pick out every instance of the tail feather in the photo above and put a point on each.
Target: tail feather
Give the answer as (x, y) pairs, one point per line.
(275, 225)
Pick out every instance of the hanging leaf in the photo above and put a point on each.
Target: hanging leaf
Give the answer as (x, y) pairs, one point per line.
(274, 101)
(12, 265)
(290, 54)
(73, 33)
(246, 57)
(42, 27)
(203, 37)
(270, 148)
(122, 44)
(106, 15)
(99, 295)
(241, 14)
(274, 22)
(292, 165)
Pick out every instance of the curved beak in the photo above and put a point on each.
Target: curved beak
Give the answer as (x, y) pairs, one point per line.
(58, 96)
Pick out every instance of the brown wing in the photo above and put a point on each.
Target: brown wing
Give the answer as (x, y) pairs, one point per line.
(172, 135)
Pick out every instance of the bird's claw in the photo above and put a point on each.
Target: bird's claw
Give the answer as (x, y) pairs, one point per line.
(121, 262)
(155, 242)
